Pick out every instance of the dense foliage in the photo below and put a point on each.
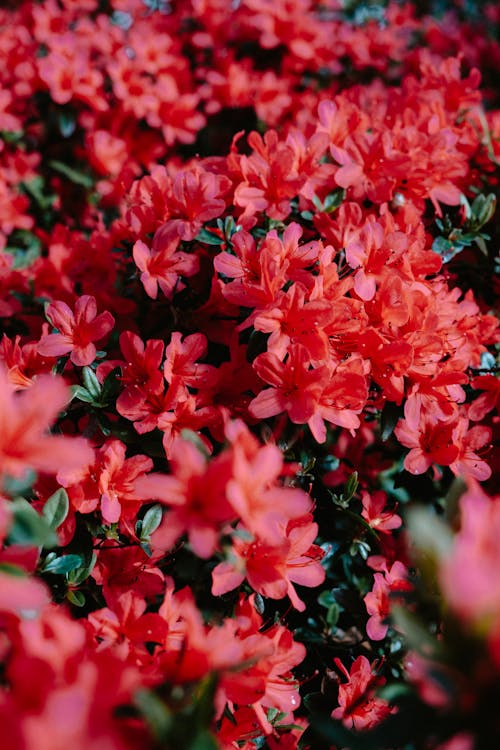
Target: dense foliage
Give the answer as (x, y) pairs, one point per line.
(249, 375)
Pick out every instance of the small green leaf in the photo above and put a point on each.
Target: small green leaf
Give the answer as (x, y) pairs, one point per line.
(151, 521)
(66, 122)
(82, 394)
(11, 136)
(111, 386)
(272, 713)
(332, 615)
(259, 604)
(91, 382)
(35, 189)
(394, 691)
(209, 238)
(444, 248)
(56, 508)
(389, 418)
(80, 574)
(326, 598)
(63, 565)
(76, 597)
(351, 486)
(73, 175)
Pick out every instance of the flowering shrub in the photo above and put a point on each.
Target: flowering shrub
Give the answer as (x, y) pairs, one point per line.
(249, 375)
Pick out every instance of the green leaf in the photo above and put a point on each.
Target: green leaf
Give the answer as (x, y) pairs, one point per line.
(192, 437)
(394, 691)
(333, 201)
(204, 741)
(73, 175)
(389, 418)
(111, 386)
(80, 574)
(56, 508)
(35, 189)
(483, 208)
(18, 486)
(63, 565)
(66, 122)
(205, 699)
(326, 599)
(29, 528)
(11, 136)
(151, 521)
(272, 713)
(415, 632)
(259, 604)
(430, 535)
(12, 570)
(333, 614)
(208, 238)
(444, 248)
(156, 714)
(76, 597)
(91, 382)
(351, 486)
(82, 394)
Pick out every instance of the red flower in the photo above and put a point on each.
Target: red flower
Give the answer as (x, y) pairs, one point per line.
(25, 418)
(78, 330)
(358, 705)
(432, 442)
(272, 570)
(108, 483)
(377, 515)
(164, 264)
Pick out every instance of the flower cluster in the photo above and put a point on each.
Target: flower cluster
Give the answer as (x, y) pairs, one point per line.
(248, 324)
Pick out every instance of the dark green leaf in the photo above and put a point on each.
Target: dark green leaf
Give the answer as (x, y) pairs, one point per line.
(333, 614)
(205, 699)
(11, 136)
(204, 741)
(393, 692)
(389, 417)
(326, 599)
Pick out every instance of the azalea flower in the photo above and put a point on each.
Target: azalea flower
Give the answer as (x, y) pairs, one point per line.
(78, 330)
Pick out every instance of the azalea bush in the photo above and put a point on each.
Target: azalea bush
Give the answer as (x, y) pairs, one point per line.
(249, 375)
